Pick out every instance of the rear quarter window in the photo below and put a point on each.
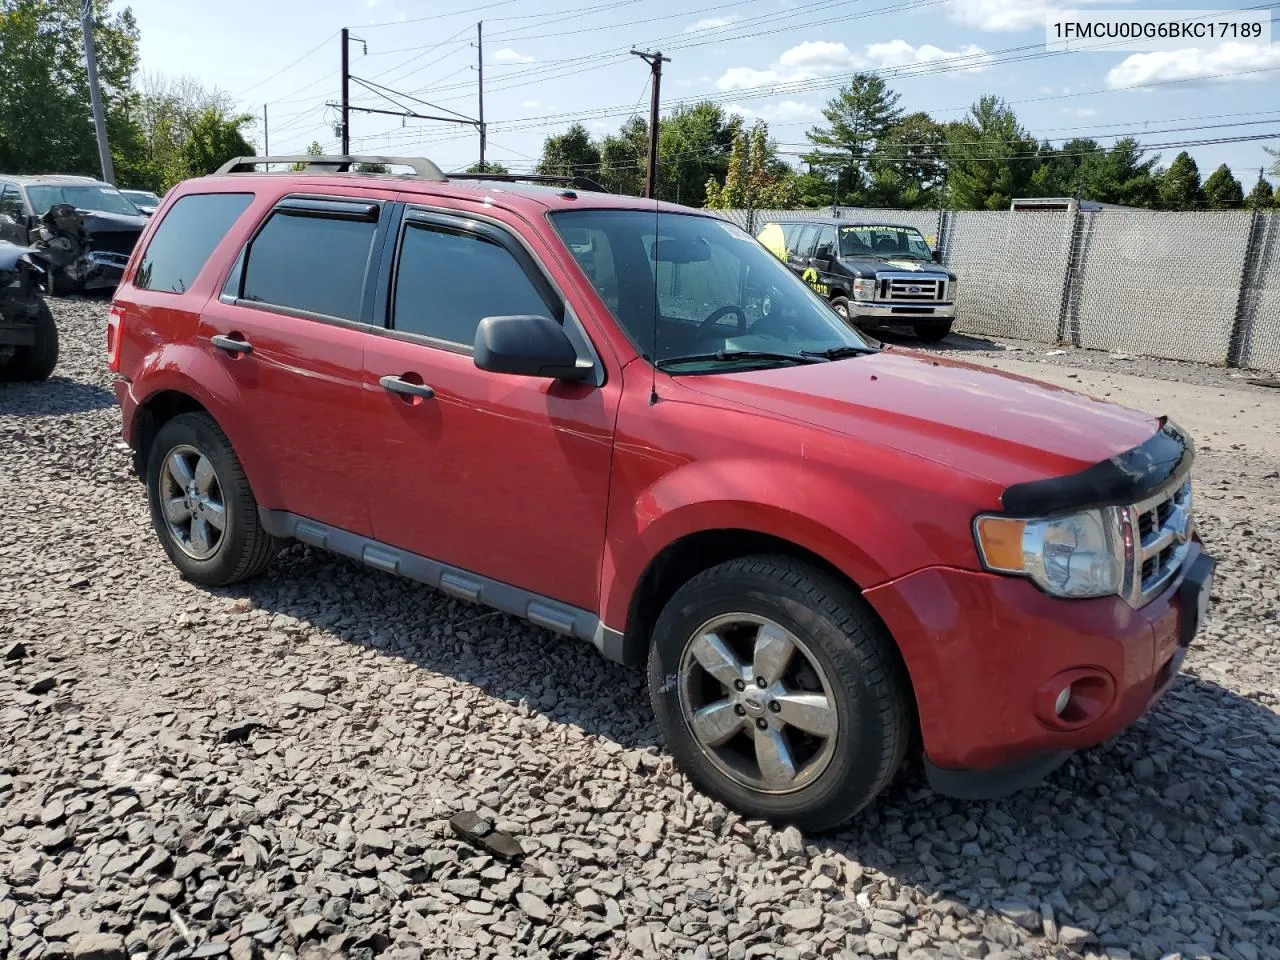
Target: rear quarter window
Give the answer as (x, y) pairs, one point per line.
(185, 238)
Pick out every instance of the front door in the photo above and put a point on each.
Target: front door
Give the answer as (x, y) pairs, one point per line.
(13, 215)
(503, 476)
(287, 331)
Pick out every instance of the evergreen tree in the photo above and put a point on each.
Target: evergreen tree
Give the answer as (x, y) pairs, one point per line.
(1222, 191)
(858, 117)
(1180, 185)
(991, 158)
(1261, 197)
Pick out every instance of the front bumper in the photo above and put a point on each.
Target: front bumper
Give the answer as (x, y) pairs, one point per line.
(987, 655)
(868, 313)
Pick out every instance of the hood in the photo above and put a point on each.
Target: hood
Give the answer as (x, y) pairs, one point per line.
(869, 266)
(97, 221)
(989, 424)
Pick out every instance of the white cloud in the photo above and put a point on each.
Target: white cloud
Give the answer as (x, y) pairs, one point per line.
(530, 104)
(1230, 58)
(712, 23)
(1008, 16)
(899, 53)
(788, 111)
(507, 55)
(816, 58)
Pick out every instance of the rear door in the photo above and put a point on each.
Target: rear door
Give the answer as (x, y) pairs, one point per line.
(13, 216)
(290, 328)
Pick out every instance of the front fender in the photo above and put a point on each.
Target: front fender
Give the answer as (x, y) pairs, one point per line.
(186, 369)
(793, 502)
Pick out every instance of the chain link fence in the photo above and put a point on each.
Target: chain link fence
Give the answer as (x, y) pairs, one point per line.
(1203, 287)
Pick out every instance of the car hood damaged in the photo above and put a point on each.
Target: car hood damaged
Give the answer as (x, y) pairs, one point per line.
(87, 250)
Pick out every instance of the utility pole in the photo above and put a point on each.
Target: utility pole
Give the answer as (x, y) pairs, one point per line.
(655, 61)
(95, 95)
(480, 67)
(266, 137)
(346, 109)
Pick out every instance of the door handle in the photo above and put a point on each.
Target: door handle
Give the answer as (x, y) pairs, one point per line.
(231, 344)
(396, 385)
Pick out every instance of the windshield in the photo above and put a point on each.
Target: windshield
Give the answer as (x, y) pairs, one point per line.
(715, 289)
(103, 199)
(142, 197)
(884, 242)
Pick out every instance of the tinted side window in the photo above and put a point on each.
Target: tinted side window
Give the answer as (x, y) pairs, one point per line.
(803, 241)
(447, 282)
(311, 263)
(826, 248)
(11, 201)
(185, 239)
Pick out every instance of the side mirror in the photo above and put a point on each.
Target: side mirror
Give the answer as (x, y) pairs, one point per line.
(527, 346)
(937, 255)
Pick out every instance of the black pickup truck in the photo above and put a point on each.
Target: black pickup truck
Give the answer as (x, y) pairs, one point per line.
(876, 275)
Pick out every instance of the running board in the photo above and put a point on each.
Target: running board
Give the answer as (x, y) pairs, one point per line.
(537, 609)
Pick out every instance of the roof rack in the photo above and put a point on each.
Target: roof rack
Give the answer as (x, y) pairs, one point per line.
(423, 169)
(582, 183)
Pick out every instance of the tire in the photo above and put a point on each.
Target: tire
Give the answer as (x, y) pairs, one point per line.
(849, 657)
(841, 306)
(242, 549)
(35, 362)
(933, 332)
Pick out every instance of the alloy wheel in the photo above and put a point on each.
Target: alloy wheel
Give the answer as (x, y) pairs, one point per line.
(192, 502)
(758, 703)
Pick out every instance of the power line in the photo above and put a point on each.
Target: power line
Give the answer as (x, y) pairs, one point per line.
(287, 66)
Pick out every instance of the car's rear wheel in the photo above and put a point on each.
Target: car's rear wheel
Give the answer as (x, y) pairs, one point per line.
(36, 361)
(202, 507)
(779, 692)
(933, 332)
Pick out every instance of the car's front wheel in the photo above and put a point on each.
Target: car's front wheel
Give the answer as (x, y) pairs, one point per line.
(202, 507)
(934, 332)
(779, 692)
(34, 362)
(841, 306)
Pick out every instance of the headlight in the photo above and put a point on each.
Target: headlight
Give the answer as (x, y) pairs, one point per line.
(1087, 554)
(864, 288)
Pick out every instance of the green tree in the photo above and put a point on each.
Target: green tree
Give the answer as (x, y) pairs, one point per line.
(1180, 185)
(991, 158)
(46, 123)
(1261, 197)
(1222, 191)
(624, 158)
(908, 167)
(166, 112)
(1275, 167)
(487, 167)
(313, 150)
(858, 117)
(572, 153)
(693, 147)
(214, 140)
(755, 177)
(1119, 175)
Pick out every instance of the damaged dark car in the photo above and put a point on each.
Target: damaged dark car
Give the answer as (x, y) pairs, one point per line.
(28, 335)
(83, 228)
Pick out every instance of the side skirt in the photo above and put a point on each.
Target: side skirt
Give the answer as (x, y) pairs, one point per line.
(537, 609)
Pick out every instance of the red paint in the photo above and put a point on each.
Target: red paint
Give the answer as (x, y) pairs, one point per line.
(876, 464)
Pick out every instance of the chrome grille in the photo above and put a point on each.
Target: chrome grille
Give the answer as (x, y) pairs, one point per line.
(1164, 525)
(911, 289)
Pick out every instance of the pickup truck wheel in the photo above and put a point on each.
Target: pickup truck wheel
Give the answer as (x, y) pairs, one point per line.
(779, 692)
(202, 507)
(933, 332)
(34, 362)
(841, 306)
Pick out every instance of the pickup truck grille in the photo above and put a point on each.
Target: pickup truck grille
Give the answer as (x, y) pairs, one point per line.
(912, 289)
(1164, 526)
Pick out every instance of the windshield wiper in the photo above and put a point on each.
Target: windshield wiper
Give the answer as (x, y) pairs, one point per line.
(724, 356)
(840, 352)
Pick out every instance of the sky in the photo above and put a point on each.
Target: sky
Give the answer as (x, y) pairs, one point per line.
(548, 63)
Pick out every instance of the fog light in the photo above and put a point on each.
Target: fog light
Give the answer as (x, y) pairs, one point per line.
(1064, 698)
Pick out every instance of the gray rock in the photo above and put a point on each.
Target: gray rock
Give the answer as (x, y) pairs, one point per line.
(807, 918)
(791, 842)
(302, 699)
(534, 907)
(98, 946)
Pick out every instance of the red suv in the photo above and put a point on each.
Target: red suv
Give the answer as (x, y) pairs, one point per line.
(630, 423)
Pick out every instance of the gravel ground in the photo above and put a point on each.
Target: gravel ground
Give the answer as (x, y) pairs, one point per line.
(269, 771)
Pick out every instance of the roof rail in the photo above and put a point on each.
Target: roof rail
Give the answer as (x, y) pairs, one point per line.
(582, 183)
(423, 169)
